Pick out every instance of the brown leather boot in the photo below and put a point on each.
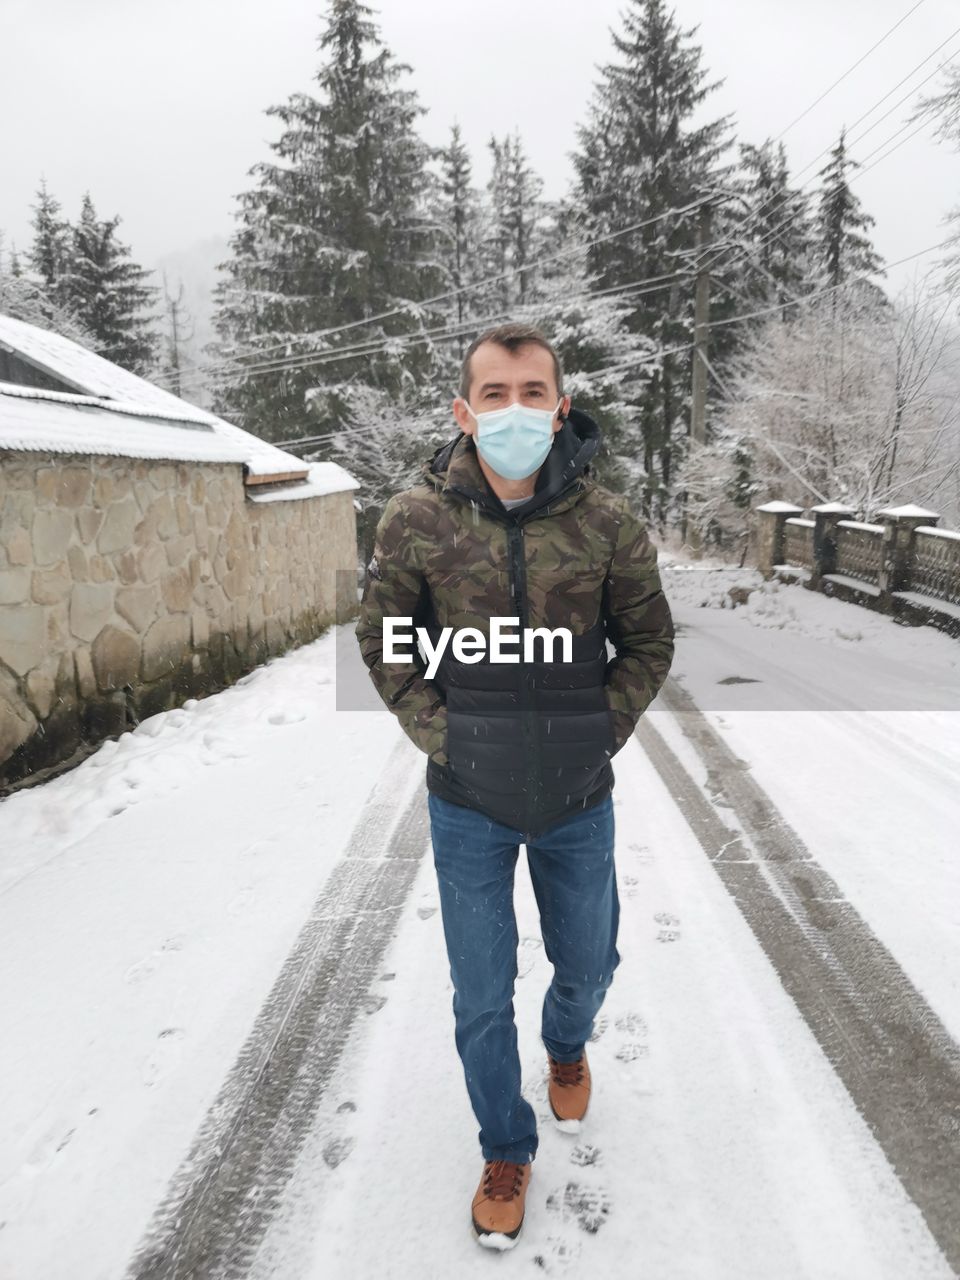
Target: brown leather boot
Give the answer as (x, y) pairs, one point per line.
(498, 1204)
(569, 1091)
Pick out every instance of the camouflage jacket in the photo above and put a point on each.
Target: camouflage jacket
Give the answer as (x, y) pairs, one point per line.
(526, 742)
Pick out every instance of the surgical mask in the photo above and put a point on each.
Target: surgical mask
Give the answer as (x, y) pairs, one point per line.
(514, 441)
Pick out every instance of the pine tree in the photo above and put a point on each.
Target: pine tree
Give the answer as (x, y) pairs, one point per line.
(333, 235)
(844, 248)
(774, 228)
(606, 366)
(105, 288)
(639, 158)
(457, 215)
(50, 252)
(26, 298)
(513, 238)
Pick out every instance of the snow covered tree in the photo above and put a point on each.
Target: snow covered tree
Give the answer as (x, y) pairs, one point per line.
(843, 245)
(457, 214)
(851, 399)
(389, 439)
(105, 289)
(334, 237)
(606, 366)
(945, 108)
(514, 239)
(772, 229)
(25, 298)
(50, 252)
(640, 157)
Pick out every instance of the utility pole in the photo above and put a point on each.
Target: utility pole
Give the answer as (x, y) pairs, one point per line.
(701, 321)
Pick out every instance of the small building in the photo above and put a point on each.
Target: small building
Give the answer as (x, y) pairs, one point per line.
(149, 551)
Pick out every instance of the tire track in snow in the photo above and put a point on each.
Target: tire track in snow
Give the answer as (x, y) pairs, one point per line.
(220, 1202)
(893, 1054)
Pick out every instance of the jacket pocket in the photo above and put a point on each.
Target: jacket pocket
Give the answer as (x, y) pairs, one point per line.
(620, 726)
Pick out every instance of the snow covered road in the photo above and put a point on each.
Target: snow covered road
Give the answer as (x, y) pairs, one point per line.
(229, 1043)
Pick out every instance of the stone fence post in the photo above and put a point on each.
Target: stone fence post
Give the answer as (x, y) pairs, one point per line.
(825, 517)
(898, 534)
(771, 519)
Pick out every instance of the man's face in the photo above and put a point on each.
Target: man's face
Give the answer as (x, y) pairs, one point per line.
(499, 377)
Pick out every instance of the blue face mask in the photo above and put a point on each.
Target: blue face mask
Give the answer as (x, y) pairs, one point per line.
(514, 441)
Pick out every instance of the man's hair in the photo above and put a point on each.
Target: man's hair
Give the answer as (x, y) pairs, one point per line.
(511, 336)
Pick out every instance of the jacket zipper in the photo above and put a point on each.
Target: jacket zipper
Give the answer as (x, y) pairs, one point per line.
(531, 740)
(518, 581)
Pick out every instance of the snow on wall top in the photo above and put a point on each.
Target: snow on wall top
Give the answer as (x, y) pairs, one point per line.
(323, 477)
(115, 412)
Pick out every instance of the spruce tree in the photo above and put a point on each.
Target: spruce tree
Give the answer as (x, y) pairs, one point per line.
(105, 289)
(333, 235)
(457, 215)
(49, 255)
(775, 230)
(513, 239)
(640, 157)
(24, 297)
(606, 366)
(844, 247)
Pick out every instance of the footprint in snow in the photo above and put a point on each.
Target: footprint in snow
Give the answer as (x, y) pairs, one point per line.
(336, 1151)
(642, 855)
(142, 969)
(588, 1207)
(286, 717)
(585, 1154)
(600, 1024)
(165, 1056)
(669, 931)
(218, 747)
(426, 912)
(559, 1255)
(631, 1023)
(631, 1052)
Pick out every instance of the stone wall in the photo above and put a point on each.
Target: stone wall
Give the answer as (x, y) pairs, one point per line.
(127, 586)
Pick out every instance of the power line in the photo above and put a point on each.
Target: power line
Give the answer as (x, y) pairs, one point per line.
(372, 346)
(849, 70)
(775, 232)
(636, 363)
(445, 333)
(478, 284)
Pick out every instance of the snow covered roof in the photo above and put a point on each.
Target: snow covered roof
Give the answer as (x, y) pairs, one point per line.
(113, 412)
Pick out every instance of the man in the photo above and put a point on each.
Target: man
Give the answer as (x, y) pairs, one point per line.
(507, 521)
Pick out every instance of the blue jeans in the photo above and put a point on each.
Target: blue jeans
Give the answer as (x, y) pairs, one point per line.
(574, 879)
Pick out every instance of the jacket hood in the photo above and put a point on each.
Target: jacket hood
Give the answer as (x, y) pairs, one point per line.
(455, 467)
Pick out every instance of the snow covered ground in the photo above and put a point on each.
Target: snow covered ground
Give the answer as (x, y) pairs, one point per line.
(167, 907)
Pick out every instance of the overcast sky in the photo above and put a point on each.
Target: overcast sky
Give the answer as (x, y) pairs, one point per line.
(158, 108)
